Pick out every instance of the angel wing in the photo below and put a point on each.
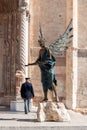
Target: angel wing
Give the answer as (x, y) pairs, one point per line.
(59, 46)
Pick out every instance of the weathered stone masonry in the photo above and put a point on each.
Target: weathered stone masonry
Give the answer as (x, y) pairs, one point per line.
(54, 16)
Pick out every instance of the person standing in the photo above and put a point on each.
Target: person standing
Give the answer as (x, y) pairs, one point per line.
(27, 93)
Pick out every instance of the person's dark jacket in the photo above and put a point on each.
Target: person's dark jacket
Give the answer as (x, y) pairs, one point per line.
(27, 90)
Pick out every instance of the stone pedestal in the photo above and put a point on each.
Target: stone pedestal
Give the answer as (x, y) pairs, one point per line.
(52, 111)
(17, 106)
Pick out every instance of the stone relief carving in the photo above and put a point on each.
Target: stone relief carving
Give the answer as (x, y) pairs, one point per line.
(11, 52)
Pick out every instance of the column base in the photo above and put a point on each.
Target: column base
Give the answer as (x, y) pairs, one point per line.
(70, 105)
(17, 105)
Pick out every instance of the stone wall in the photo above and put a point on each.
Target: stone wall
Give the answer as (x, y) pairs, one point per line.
(69, 58)
(76, 81)
(82, 54)
(1, 54)
(54, 16)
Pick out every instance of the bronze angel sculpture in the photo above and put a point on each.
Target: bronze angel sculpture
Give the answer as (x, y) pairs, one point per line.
(46, 60)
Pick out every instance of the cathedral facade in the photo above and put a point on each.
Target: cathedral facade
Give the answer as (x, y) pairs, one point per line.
(19, 31)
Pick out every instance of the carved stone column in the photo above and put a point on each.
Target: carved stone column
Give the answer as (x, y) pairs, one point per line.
(24, 35)
(22, 72)
(23, 41)
(23, 46)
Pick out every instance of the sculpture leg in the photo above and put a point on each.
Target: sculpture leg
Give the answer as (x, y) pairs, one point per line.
(55, 92)
(45, 97)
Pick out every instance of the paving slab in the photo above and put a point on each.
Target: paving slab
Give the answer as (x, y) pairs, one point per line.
(11, 120)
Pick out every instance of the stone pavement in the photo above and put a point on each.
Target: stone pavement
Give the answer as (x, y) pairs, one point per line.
(10, 120)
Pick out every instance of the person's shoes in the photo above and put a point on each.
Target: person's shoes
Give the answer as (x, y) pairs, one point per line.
(44, 100)
(26, 113)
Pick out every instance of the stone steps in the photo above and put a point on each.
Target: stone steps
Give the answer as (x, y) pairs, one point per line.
(4, 108)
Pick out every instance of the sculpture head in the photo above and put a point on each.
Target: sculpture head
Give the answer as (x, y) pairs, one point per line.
(41, 41)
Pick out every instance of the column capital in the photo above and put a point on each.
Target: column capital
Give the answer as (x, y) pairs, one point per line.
(24, 7)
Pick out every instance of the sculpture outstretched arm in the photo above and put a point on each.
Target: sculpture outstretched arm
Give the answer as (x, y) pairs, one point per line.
(34, 63)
